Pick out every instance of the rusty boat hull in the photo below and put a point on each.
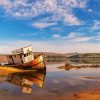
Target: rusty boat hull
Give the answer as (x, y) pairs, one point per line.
(36, 64)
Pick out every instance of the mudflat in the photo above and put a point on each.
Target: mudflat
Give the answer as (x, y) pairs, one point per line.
(85, 95)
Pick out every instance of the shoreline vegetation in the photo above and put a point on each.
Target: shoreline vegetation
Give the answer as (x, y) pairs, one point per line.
(69, 66)
(9, 70)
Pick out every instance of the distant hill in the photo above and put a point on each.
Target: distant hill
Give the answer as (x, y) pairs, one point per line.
(86, 55)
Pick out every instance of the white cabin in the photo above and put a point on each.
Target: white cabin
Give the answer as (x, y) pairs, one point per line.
(23, 55)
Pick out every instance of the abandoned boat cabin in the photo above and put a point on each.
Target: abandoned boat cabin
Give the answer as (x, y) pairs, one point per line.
(19, 56)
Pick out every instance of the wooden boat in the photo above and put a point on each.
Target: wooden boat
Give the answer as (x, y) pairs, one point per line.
(24, 58)
(36, 64)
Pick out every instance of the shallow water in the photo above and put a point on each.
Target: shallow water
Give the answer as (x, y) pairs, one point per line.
(57, 83)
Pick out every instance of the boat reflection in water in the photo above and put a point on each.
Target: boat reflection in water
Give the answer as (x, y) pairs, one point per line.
(27, 79)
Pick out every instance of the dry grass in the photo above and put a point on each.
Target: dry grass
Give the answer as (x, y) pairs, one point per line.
(8, 70)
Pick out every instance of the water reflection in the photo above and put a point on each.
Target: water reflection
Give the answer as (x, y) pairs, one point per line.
(58, 82)
(27, 79)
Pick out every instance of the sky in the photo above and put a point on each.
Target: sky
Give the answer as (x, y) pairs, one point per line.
(60, 26)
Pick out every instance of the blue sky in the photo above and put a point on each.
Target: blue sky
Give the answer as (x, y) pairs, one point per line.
(50, 25)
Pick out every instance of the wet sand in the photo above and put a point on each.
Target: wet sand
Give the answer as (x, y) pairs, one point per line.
(85, 95)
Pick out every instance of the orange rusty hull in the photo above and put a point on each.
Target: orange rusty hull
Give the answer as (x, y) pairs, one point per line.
(37, 64)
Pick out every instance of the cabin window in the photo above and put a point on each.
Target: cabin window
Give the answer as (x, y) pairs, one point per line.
(27, 54)
(10, 56)
(21, 61)
(21, 56)
(14, 55)
(24, 55)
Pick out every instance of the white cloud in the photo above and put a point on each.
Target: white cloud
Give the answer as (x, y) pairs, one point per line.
(73, 35)
(43, 24)
(96, 25)
(57, 29)
(70, 20)
(80, 37)
(50, 46)
(56, 36)
(76, 37)
(90, 10)
(97, 37)
(83, 39)
(60, 9)
(98, 33)
(6, 4)
(33, 34)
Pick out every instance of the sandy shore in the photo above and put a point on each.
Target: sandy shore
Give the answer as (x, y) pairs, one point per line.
(8, 70)
(85, 95)
(44, 95)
